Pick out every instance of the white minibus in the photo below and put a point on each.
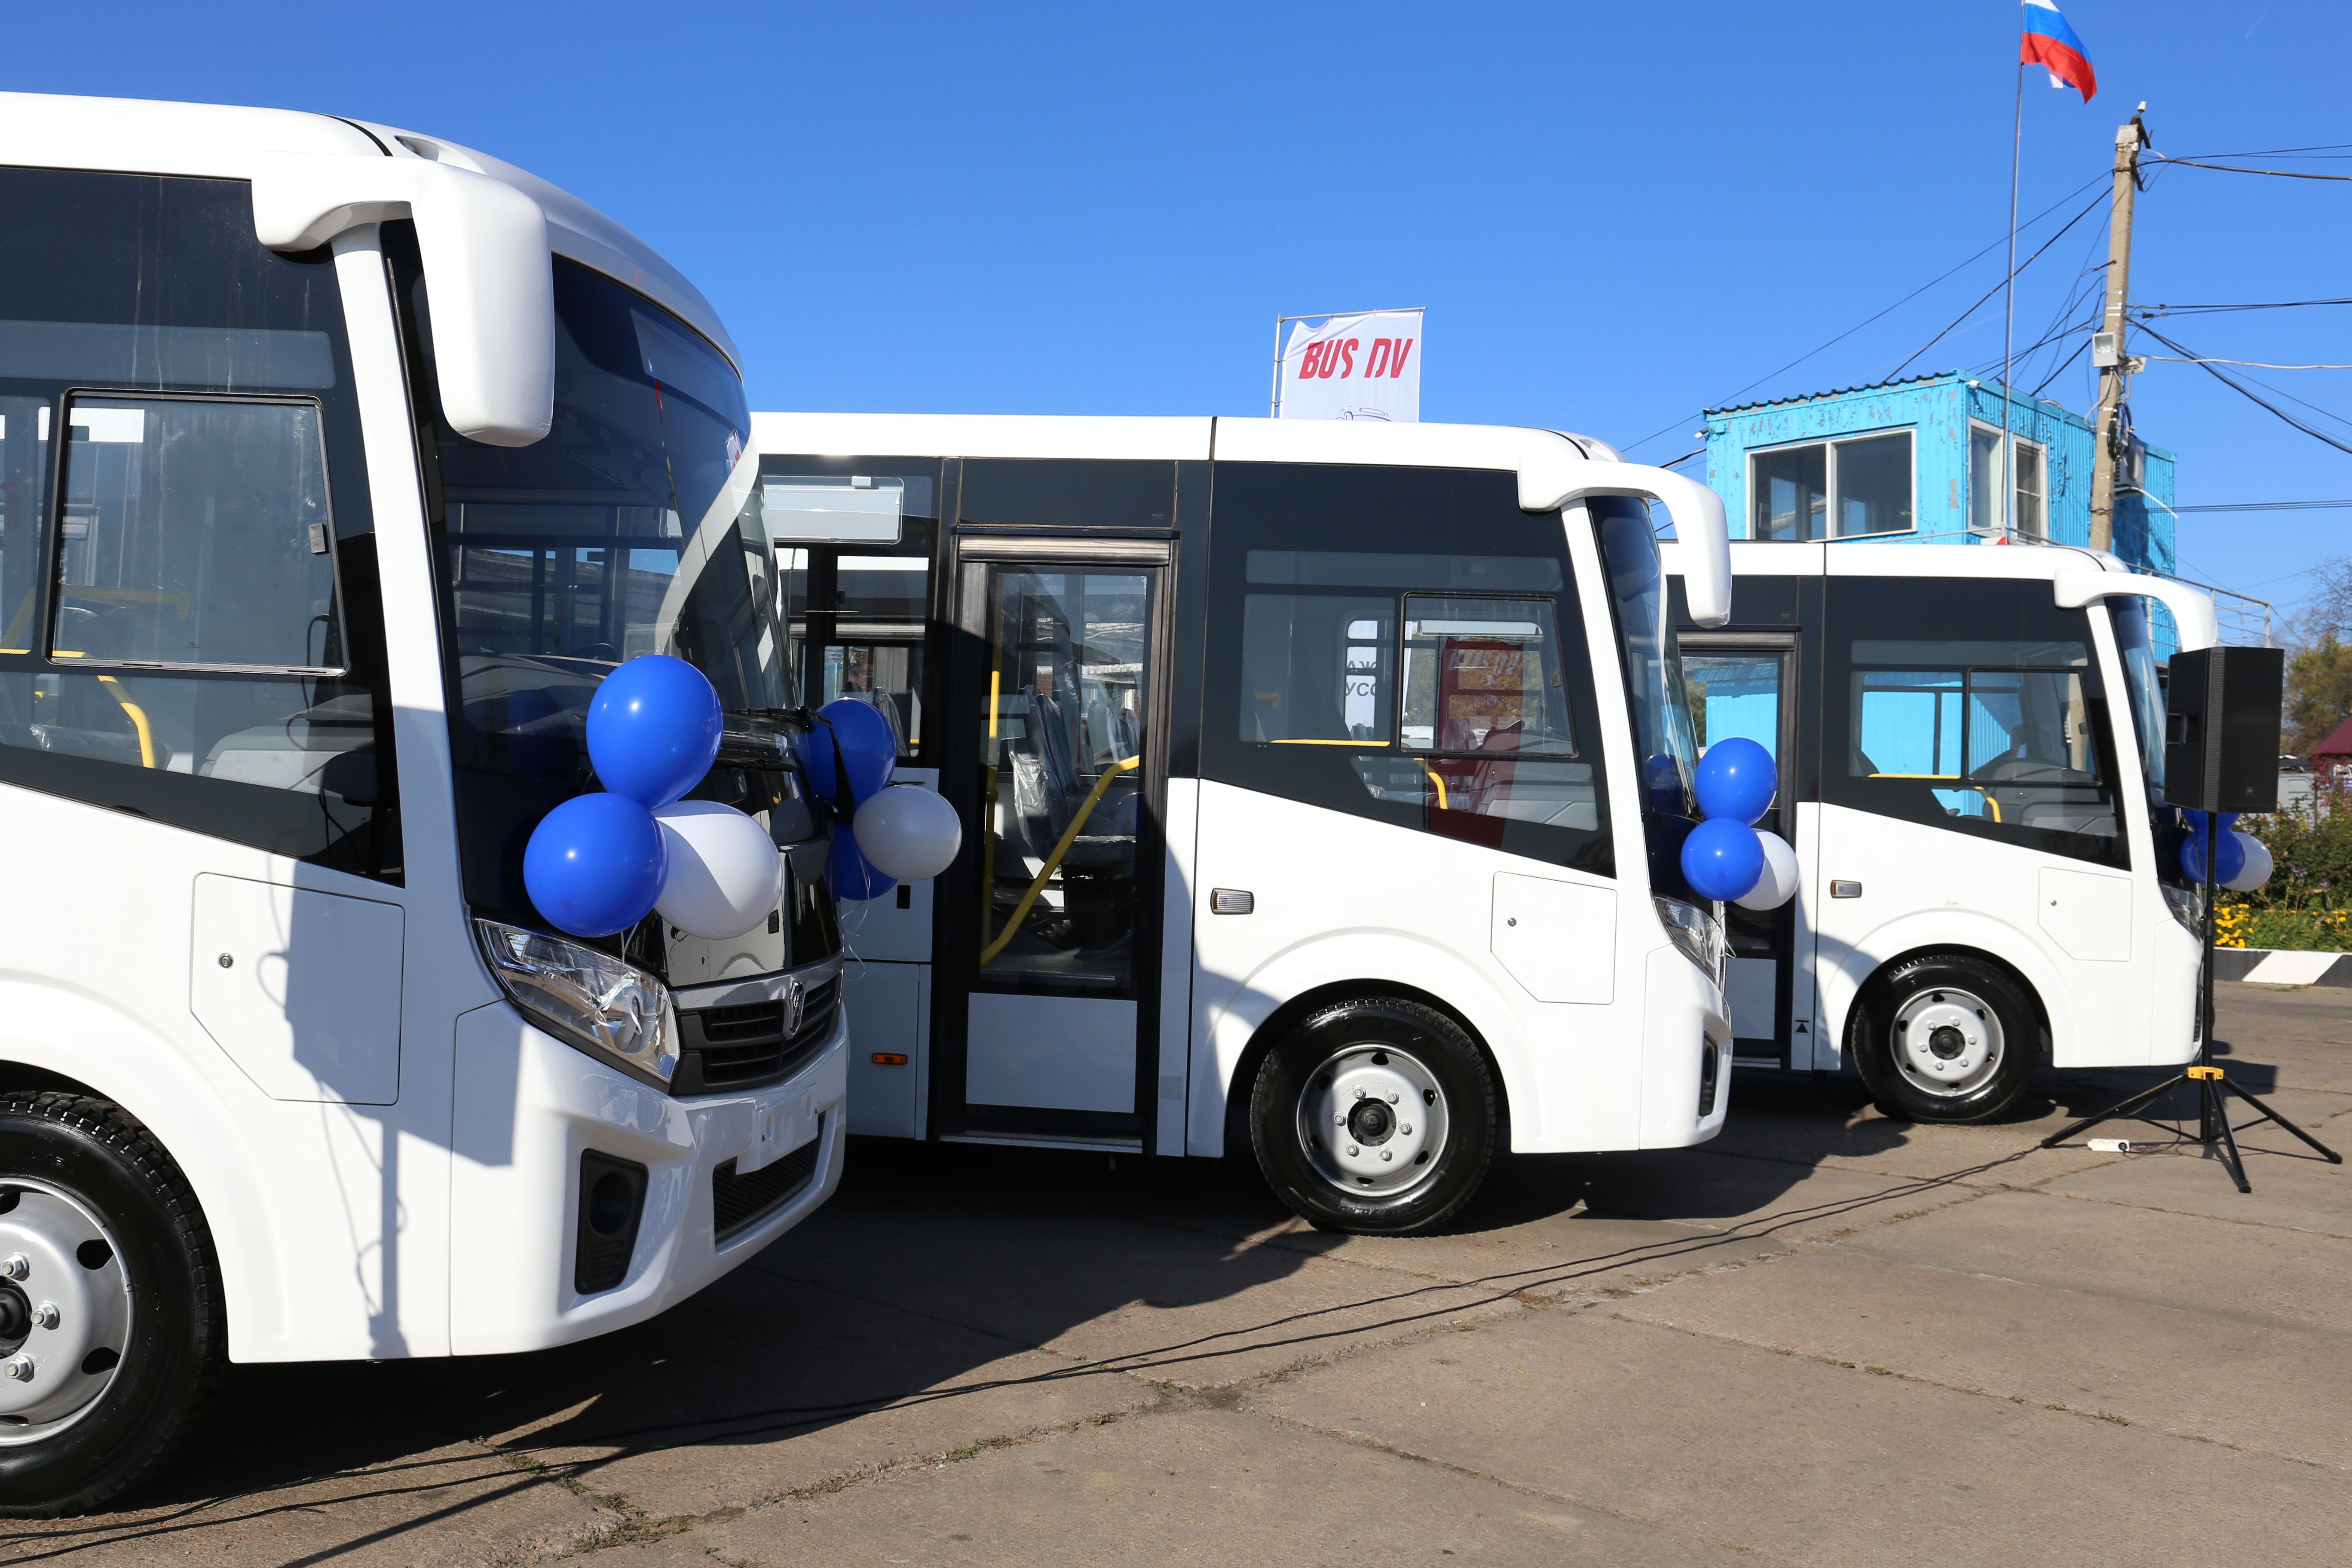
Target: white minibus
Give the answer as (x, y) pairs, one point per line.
(1970, 741)
(339, 464)
(1323, 786)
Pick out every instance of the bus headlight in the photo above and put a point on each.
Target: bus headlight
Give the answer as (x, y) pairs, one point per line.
(2187, 907)
(1696, 932)
(586, 998)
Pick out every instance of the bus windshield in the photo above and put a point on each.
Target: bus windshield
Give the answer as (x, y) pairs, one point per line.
(2129, 615)
(633, 528)
(1654, 679)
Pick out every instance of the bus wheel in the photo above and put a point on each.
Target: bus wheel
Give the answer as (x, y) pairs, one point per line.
(1944, 1037)
(110, 1316)
(1374, 1115)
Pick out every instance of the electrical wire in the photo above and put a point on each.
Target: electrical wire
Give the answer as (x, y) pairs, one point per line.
(2080, 350)
(2240, 169)
(2251, 364)
(1726, 400)
(2250, 395)
(2149, 310)
(1989, 293)
(2269, 506)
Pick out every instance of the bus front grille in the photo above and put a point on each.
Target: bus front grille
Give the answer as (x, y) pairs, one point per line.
(739, 1203)
(745, 1046)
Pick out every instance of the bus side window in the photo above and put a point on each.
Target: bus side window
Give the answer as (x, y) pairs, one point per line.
(2002, 734)
(1390, 679)
(196, 627)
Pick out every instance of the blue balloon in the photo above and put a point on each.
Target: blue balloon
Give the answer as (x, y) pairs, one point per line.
(1723, 858)
(596, 863)
(652, 730)
(1737, 780)
(2230, 862)
(848, 873)
(867, 747)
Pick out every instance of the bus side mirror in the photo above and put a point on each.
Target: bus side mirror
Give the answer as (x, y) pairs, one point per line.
(486, 256)
(2194, 619)
(1700, 526)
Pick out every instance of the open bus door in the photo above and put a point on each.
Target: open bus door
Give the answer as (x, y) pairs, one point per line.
(1745, 684)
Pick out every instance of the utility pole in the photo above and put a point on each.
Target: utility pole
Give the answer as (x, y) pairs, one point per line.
(2107, 345)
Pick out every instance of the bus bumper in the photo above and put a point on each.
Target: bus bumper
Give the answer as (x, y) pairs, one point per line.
(530, 1112)
(1685, 1054)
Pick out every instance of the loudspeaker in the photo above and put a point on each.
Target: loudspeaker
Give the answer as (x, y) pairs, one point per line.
(2222, 727)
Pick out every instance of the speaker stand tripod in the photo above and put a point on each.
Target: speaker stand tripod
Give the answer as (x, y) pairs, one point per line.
(2213, 1090)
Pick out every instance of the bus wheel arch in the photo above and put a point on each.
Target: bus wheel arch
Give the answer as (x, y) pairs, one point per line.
(1290, 1014)
(103, 1230)
(1946, 1033)
(1370, 1108)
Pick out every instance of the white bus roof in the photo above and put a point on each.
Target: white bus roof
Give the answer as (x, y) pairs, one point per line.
(1535, 454)
(2076, 575)
(211, 141)
(1776, 558)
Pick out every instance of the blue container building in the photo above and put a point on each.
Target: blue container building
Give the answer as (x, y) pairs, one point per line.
(1920, 461)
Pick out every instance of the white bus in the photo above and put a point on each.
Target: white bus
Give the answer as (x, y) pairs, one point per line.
(339, 463)
(1323, 788)
(1971, 751)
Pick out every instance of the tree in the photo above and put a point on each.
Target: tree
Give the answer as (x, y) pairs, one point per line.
(2319, 668)
(2318, 692)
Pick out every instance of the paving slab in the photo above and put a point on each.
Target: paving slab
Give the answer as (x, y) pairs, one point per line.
(1555, 1257)
(1164, 1302)
(1216, 1485)
(2256, 1386)
(1811, 1463)
(785, 1385)
(2293, 1188)
(451, 1506)
(2254, 1273)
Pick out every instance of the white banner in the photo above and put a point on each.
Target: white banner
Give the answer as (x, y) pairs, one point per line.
(1365, 366)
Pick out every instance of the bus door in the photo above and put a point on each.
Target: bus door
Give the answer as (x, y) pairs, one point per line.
(1745, 684)
(856, 540)
(1047, 941)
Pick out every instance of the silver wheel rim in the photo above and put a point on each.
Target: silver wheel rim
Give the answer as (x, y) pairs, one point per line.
(1947, 1042)
(1373, 1121)
(64, 1310)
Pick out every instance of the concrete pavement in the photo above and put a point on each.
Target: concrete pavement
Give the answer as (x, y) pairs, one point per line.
(1825, 1339)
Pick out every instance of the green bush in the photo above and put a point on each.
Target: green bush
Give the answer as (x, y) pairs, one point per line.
(2303, 906)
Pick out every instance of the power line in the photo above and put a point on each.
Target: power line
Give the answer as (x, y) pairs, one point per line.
(2269, 506)
(2238, 169)
(2080, 350)
(1996, 245)
(2256, 363)
(1989, 293)
(2148, 311)
(2248, 393)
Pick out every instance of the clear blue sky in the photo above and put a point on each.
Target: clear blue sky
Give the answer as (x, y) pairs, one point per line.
(1616, 213)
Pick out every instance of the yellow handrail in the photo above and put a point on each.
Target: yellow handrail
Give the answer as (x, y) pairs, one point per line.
(138, 722)
(1054, 861)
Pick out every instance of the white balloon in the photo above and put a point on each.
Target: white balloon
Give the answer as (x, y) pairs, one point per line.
(908, 832)
(2258, 865)
(1778, 885)
(725, 873)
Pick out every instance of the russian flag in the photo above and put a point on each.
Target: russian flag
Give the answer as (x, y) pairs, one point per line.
(2051, 44)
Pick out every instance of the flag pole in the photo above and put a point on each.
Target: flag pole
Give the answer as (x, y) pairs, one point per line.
(2009, 317)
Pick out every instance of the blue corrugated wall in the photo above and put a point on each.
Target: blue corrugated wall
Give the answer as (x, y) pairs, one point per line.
(1939, 409)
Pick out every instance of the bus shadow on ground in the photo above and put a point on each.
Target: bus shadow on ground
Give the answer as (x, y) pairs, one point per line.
(937, 1266)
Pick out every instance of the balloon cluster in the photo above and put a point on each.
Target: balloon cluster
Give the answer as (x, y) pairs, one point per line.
(598, 864)
(882, 835)
(2242, 861)
(1725, 856)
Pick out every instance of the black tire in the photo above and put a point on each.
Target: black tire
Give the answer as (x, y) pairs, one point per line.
(1945, 1037)
(66, 1161)
(1358, 1054)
